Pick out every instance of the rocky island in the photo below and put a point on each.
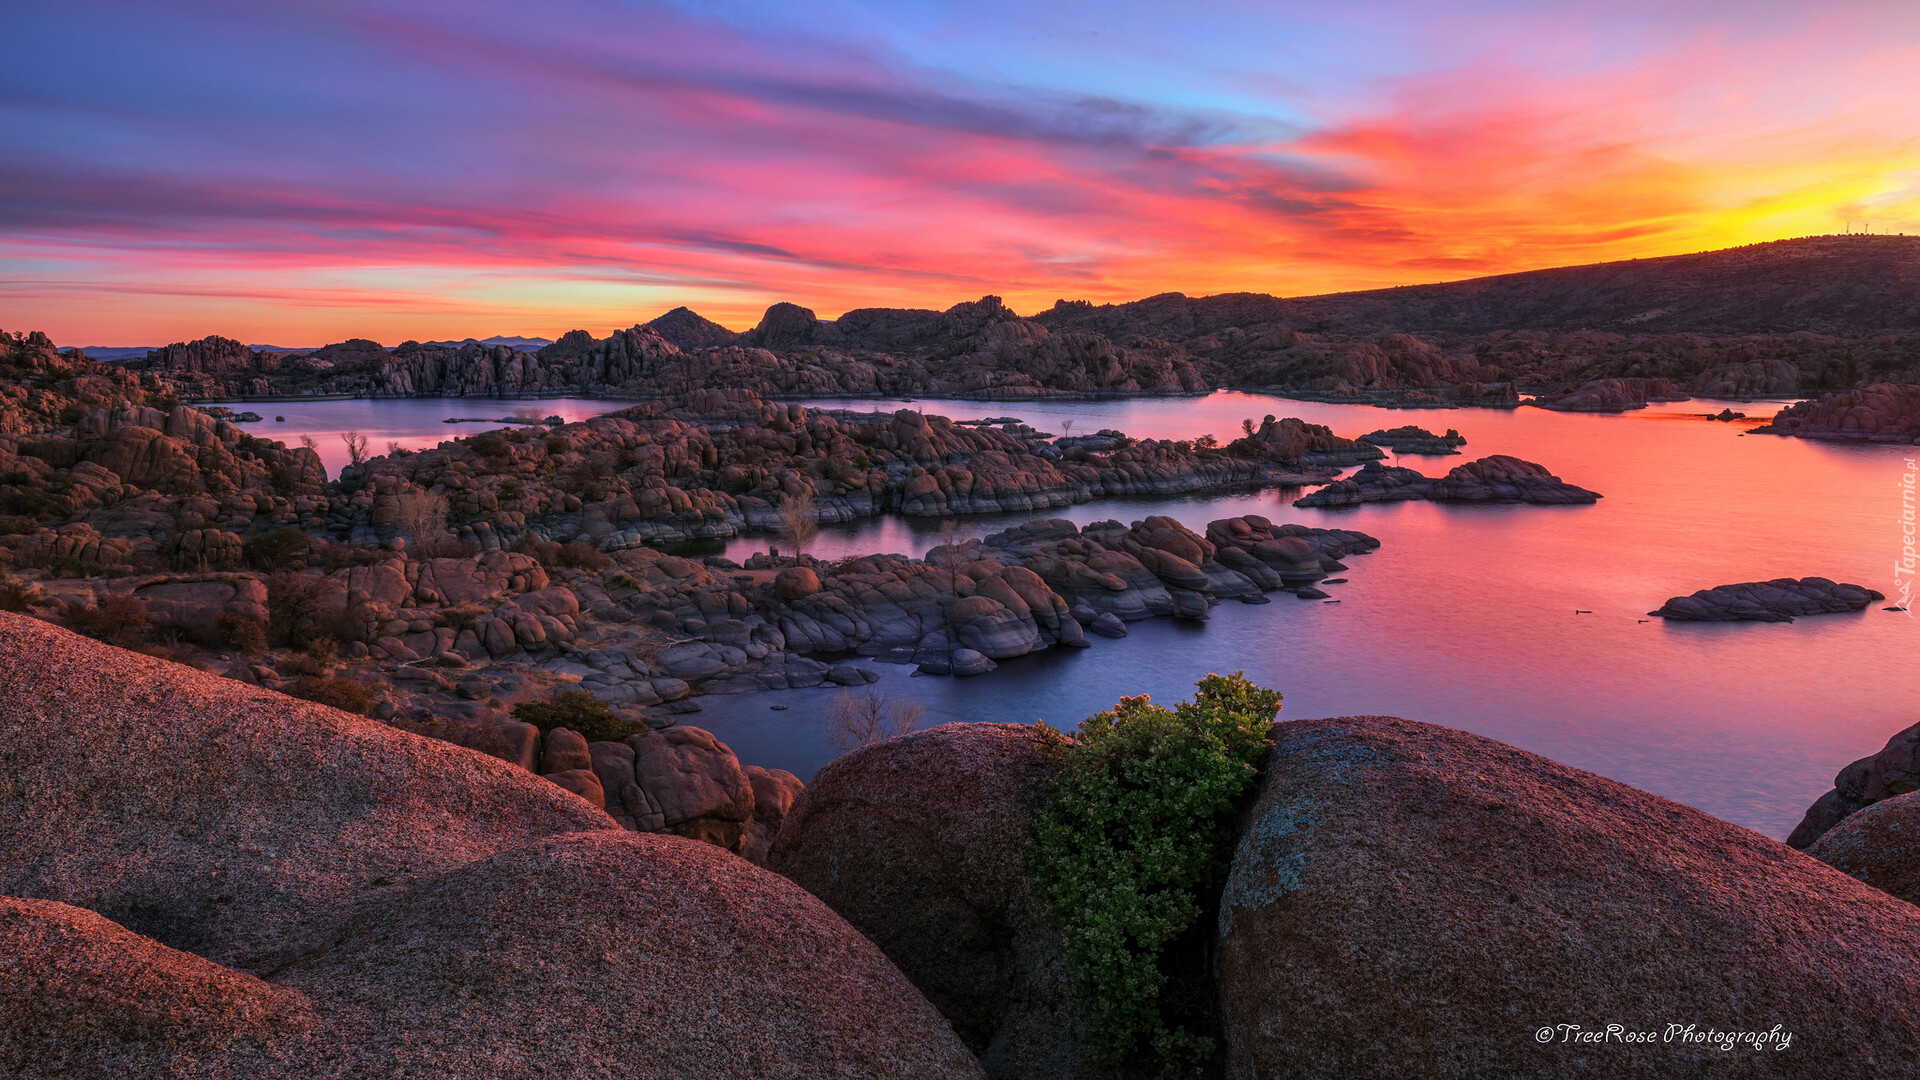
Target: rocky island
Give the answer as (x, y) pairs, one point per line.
(1497, 479)
(1779, 600)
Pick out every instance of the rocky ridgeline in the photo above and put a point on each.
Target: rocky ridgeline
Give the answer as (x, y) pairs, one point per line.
(1400, 893)
(1496, 479)
(1883, 413)
(1779, 600)
(1410, 439)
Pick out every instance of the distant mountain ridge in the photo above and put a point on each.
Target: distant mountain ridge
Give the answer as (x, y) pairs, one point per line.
(1764, 321)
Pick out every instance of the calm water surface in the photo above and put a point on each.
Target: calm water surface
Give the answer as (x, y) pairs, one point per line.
(1465, 616)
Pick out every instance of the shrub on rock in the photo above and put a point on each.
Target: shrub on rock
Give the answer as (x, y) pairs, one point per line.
(1132, 846)
(580, 712)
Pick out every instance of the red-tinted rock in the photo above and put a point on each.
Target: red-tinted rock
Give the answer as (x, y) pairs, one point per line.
(918, 842)
(1407, 896)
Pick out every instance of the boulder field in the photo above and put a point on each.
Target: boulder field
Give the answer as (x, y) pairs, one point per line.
(1405, 900)
(206, 879)
(1779, 600)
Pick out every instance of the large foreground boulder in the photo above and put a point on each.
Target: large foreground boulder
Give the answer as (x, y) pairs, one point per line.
(338, 899)
(1413, 900)
(83, 996)
(226, 820)
(918, 842)
(1879, 845)
(619, 954)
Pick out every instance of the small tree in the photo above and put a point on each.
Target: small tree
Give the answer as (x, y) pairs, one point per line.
(1246, 425)
(861, 719)
(356, 447)
(421, 516)
(799, 523)
(1066, 429)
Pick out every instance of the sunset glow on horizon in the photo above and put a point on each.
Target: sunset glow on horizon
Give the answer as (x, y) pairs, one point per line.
(323, 170)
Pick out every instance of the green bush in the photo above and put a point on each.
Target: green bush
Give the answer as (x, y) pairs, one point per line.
(1134, 846)
(579, 712)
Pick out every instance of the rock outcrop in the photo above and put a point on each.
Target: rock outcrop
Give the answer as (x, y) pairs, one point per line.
(1779, 600)
(1409, 897)
(1613, 395)
(1882, 413)
(362, 902)
(1497, 479)
(1895, 770)
(918, 842)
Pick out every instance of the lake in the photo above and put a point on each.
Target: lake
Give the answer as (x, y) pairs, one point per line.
(1465, 616)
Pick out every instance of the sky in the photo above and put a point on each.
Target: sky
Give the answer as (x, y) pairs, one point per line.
(300, 172)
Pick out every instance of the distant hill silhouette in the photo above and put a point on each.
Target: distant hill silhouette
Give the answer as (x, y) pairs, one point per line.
(1840, 285)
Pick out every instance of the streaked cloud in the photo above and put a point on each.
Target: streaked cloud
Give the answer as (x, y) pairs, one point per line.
(309, 171)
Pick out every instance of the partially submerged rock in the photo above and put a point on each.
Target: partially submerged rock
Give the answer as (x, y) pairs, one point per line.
(1779, 600)
(1409, 898)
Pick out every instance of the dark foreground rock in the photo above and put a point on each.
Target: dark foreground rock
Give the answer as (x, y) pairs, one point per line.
(363, 902)
(1895, 770)
(1412, 900)
(1779, 600)
(1497, 479)
(1879, 845)
(918, 842)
